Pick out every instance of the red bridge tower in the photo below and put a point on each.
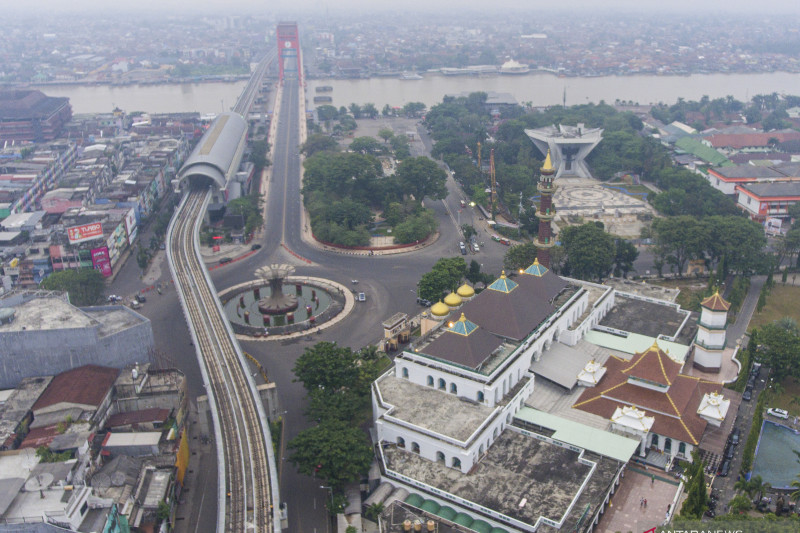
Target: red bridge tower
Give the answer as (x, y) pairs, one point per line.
(289, 51)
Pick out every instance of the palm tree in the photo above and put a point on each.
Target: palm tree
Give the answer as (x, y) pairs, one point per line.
(794, 496)
(760, 486)
(745, 486)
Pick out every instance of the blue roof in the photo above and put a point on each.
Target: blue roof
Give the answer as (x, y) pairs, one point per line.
(503, 284)
(463, 326)
(536, 269)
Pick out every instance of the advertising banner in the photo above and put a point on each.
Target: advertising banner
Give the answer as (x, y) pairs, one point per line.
(85, 232)
(102, 261)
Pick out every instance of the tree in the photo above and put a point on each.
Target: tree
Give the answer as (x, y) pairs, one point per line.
(468, 230)
(739, 504)
(422, 177)
(387, 110)
(326, 366)
(319, 142)
(520, 256)
(696, 502)
(474, 274)
(370, 110)
(385, 134)
(626, 254)
(445, 276)
(679, 239)
(366, 145)
(355, 110)
(84, 286)
(413, 109)
(590, 251)
(333, 451)
(780, 350)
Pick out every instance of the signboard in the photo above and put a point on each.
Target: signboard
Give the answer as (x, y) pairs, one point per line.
(86, 232)
(772, 226)
(101, 261)
(130, 225)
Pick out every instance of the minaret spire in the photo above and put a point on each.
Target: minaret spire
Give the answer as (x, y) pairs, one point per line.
(546, 212)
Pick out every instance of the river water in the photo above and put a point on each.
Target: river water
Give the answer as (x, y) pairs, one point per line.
(540, 89)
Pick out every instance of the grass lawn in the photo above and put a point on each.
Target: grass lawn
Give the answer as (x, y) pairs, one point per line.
(632, 190)
(789, 398)
(781, 302)
(691, 291)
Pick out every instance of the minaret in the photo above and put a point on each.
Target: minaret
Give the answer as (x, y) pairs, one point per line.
(710, 340)
(544, 241)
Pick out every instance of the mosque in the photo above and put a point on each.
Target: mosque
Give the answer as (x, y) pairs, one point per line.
(520, 407)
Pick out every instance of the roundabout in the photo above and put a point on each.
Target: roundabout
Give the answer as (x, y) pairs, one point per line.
(279, 305)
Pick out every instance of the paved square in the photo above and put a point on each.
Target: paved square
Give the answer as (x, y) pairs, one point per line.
(626, 514)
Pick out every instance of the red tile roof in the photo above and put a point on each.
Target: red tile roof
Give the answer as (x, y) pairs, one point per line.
(715, 302)
(675, 411)
(143, 416)
(745, 140)
(85, 385)
(653, 365)
(39, 437)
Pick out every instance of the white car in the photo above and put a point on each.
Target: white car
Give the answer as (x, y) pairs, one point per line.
(780, 413)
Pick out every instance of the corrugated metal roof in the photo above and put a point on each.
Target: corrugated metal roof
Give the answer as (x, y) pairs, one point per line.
(589, 438)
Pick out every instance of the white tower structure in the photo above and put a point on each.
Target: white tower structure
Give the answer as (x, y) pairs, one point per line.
(568, 145)
(710, 340)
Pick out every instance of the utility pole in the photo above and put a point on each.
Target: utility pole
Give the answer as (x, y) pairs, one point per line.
(494, 183)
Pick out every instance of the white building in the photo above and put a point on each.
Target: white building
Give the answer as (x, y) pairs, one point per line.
(568, 146)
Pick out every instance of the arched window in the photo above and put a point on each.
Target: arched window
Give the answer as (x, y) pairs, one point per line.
(682, 449)
(415, 447)
(440, 458)
(430, 381)
(442, 384)
(401, 442)
(480, 450)
(496, 432)
(654, 442)
(405, 372)
(454, 388)
(667, 445)
(456, 462)
(480, 397)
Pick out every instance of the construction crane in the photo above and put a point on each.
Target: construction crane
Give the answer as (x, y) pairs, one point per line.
(494, 183)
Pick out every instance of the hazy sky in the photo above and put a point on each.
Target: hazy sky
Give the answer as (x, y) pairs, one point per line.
(267, 6)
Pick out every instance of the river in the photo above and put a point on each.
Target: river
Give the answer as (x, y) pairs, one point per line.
(540, 89)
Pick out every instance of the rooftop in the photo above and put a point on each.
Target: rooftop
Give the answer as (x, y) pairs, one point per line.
(432, 409)
(521, 477)
(48, 314)
(85, 385)
(772, 189)
(646, 318)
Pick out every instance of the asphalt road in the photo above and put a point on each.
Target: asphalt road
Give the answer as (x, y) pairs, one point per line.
(388, 281)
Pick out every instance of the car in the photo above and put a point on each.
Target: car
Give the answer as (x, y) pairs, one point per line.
(225, 260)
(361, 297)
(255, 247)
(751, 381)
(780, 413)
(747, 395)
(475, 247)
(729, 452)
(724, 468)
(424, 302)
(735, 435)
(141, 297)
(463, 248)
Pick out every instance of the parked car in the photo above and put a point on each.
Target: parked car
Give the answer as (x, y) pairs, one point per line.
(255, 247)
(424, 302)
(724, 468)
(735, 436)
(225, 260)
(463, 248)
(475, 247)
(747, 395)
(141, 297)
(780, 413)
(729, 452)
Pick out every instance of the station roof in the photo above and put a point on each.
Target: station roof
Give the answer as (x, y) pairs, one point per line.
(215, 154)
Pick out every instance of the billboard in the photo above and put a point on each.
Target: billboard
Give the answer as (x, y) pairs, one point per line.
(101, 260)
(85, 232)
(130, 225)
(772, 226)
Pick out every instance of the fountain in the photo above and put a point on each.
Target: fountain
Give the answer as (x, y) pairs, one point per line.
(277, 303)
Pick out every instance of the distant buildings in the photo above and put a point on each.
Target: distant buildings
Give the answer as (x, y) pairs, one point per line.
(30, 116)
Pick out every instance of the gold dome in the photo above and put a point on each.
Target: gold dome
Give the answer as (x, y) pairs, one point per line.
(439, 309)
(453, 300)
(465, 291)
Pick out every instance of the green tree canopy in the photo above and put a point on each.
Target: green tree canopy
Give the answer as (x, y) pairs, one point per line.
(385, 134)
(319, 142)
(327, 366)
(696, 501)
(520, 256)
(366, 145)
(422, 177)
(780, 349)
(445, 276)
(590, 251)
(333, 451)
(85, 286)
